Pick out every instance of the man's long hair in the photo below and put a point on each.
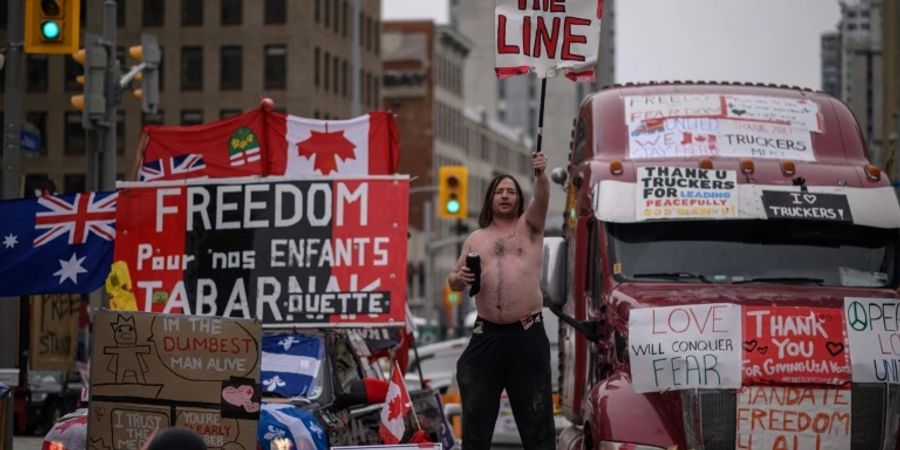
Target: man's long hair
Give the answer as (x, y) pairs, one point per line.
(487, 211)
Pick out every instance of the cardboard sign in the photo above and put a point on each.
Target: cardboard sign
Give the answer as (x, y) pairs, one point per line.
(153, 370)
(685, 347)
(546, 37)
(779, 417)
(647, 108)
(686, 193)
(794, 345)
(299, 253)
(873, 326)
(807, 206)
(54, 331)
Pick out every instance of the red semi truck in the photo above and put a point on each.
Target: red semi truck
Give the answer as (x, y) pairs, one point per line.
(728, 272)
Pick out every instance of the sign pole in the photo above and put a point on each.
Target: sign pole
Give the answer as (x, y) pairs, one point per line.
(540, 132)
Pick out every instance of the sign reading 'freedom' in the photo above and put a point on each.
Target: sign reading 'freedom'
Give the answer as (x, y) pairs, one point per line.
(285, 252)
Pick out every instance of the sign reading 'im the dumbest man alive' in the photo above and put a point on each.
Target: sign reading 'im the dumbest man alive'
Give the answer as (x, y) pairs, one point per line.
(547, 37)
(794, 345)
(873, 326)
(287, 252)
(685, 347)
(686, 193)
(781, 417)
(152, 371)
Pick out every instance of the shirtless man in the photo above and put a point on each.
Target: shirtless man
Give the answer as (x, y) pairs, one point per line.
(509, 348)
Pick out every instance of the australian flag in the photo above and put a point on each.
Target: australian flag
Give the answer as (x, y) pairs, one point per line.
(290, 364)
(175, 167)
(56, 244)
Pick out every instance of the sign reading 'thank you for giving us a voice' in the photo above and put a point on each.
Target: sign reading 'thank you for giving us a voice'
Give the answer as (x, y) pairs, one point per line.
(685, 347)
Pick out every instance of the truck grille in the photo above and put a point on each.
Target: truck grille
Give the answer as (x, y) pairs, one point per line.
(709, 417)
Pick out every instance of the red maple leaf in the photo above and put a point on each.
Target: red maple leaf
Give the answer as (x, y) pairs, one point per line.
(326, 147)
(396, 408)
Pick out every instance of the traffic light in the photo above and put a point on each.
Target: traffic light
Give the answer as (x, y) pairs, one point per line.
(92, 101)
(52, 26)
(453, 187)
(149, 55)
(451, 297)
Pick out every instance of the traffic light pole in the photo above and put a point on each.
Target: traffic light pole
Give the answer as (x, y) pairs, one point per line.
(108, 162)
(12, 167)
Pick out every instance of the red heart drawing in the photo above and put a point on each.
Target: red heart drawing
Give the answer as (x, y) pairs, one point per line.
(749, 345)
(237, 396)
(834, 348)
(762, 349)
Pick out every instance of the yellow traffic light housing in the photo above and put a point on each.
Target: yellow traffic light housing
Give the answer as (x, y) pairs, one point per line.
(52, 26)
(453, 189)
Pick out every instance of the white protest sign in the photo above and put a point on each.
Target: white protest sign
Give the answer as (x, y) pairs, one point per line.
(793, 112)
(686, 193)
(546, 37)
(780, 417)
(741, 139)
(644, 108)
(685, 347)
(873, 328)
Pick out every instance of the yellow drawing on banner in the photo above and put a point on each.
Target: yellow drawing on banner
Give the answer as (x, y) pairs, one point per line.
(119, 289)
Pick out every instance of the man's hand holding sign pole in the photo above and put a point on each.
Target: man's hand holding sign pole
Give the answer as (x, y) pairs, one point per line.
(546, 37)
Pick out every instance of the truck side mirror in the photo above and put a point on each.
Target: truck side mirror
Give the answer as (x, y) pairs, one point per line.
(553, 272)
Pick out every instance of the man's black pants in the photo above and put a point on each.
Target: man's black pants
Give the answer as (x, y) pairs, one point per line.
(506, 357)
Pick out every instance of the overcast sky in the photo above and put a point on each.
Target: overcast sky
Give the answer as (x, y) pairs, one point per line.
(734, 40)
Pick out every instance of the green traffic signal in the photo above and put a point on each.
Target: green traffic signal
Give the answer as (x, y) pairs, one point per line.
(452, 206)
(453, 297)
(50, 30)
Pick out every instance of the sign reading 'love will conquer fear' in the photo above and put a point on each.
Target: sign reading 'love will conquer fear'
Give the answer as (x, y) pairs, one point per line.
(152, 371)
(685, 347)
(286, 252)
(794, 345)
(873, 326)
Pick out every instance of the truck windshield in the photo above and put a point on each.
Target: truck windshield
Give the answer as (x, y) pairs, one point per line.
(779, 252)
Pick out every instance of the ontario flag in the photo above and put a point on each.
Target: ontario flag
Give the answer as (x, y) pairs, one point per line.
(397, 405)
(365, 145)
(234, 147)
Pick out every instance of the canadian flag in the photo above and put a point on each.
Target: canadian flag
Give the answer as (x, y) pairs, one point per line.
(396, 406)
(365, 145)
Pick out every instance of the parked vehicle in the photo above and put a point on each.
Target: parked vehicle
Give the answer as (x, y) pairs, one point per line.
(48, 396)
(622, 251)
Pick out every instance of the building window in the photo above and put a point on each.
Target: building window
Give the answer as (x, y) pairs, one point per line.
(231, 12)
(276, 11)
(344, 15)
(327, 13)
(37, 184)
(154, 13)
(160, 67)
(120, 14)
(336, 23)
(231, 67)
(4, 11)
(191, 116)
(120, 132)
(153, 119)
(316, 67)
(229, 112)
(36, 67)
(276, 67)
(73, 70)
(191, 68)
(345, 75)
(39, 120)
(327, 64)
(74, 183)
(318, 11)
(335, 81)
(191, 12)
(74, 134)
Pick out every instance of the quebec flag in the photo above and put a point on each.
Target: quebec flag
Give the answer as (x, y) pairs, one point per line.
(56, 244)
(279, 422)
(290, 364)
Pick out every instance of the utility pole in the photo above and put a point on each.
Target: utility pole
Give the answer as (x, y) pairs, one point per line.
(11, 173)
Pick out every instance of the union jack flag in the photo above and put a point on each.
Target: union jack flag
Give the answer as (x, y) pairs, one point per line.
(87, 213)
(171, 168)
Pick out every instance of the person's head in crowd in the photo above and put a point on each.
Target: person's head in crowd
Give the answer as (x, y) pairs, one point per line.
(175, 438)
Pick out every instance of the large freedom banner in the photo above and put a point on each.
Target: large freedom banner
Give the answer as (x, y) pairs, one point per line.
(286, 252)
